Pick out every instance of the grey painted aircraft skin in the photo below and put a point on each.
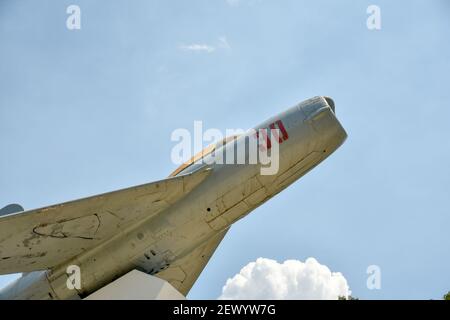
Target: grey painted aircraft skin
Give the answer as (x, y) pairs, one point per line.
(169, 228)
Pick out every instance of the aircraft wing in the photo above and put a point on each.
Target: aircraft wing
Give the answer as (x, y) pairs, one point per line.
(183, 273)
(43, 238)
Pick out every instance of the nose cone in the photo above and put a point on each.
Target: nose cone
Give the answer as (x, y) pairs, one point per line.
(319, 113)
(314, 106)
(330, 103)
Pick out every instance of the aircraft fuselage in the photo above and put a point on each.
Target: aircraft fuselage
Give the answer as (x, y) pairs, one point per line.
(309, 133)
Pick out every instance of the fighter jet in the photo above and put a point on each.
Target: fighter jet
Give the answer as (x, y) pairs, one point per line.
(167, 229)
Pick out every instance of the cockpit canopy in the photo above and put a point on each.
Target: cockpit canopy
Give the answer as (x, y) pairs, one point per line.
(202, 154)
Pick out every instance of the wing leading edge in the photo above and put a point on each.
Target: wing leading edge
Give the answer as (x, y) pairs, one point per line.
(43, 238)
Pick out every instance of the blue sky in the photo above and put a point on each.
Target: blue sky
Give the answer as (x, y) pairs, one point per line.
(88, 111)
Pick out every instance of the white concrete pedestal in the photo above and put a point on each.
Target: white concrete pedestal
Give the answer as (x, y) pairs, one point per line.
(137, 285)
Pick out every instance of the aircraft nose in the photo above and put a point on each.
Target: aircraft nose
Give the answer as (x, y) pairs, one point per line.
(330, 103)
(317, 105)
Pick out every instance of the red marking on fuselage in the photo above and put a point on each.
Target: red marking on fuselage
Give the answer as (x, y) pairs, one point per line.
(283, 129)
(266, 142)
(274, 131)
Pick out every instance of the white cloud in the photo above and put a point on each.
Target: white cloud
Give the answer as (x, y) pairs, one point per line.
(221, 44)
(292, 279)
(198, 48)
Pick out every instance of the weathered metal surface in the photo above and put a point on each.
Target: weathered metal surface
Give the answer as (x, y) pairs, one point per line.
(169, 228)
